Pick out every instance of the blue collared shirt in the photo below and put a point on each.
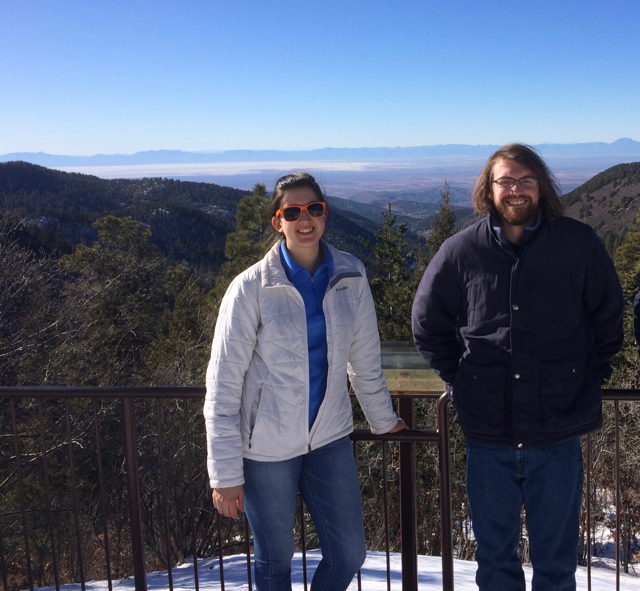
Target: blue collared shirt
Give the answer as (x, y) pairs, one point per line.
(312, 289)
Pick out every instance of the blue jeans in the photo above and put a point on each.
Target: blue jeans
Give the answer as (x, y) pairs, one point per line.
(548, 481)
(328, 481)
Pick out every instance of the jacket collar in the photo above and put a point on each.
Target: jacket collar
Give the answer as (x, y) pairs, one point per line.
(273, 274)
(528, 233)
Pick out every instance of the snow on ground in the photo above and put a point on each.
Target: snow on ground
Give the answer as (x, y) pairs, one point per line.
(374, 576)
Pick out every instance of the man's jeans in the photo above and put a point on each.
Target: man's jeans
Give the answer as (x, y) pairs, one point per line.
(548, 481)
(328, 482)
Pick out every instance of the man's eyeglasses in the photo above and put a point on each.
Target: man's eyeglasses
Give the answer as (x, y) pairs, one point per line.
(293, 213)
(507, 182)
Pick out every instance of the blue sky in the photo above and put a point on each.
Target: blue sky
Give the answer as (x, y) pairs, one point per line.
(111, 76)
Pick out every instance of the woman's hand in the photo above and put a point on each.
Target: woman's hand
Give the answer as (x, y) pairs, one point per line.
(229, 500)
(400, 426)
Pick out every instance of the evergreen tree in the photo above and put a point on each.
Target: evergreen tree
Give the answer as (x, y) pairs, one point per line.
(626, 374)
(394, 287)
(185, 345)
(443, 223)
(627, 260)
(248, 243)
(117, 303)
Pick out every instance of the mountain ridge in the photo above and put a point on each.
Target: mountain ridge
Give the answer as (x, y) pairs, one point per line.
(189, 220)
(608, 202)
(621, 147)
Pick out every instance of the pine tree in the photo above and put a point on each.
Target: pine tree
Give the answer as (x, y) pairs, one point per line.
(443, 223)
(122, 291)
(627, 260)
(393, 288)
(248, 243)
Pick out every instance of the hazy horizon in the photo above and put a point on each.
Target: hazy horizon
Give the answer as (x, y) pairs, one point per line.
(345, 179)
(343, 172)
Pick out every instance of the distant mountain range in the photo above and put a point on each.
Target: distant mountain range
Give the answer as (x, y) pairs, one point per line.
(623, 147)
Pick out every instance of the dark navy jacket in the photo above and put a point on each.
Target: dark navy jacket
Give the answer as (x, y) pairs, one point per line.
(524, 335)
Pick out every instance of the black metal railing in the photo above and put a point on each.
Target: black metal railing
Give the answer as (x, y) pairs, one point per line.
(32, 443)
(60, 446)
(615, 397)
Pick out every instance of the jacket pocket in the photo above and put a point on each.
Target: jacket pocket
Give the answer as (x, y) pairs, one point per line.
(570, 392)
(253, 413)
(478, 395)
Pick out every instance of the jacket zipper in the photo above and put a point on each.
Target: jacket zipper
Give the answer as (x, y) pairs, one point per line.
(299, 295)
(327, 320)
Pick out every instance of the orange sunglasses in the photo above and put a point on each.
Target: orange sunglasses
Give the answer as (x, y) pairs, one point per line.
(293, 213)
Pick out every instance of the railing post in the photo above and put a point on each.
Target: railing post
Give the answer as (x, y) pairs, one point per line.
(408, 513)
(446, 537)
(133, 487)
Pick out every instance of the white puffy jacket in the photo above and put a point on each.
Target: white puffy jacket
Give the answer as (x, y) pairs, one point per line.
(257, 400)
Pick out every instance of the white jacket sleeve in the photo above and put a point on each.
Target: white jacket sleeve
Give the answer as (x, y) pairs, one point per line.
(234, 342)
(364, 366)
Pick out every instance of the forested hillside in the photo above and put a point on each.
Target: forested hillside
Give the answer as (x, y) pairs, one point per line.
(188, 221)
(608, 202)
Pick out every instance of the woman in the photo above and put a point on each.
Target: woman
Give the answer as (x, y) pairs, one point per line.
(291, 329)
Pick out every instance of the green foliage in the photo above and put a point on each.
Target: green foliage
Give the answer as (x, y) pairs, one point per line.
(185, 233)
(345, 234)
(585, 211)
(394, 285)
(443, 223)
(626, 375)
(182, 353)
(612, 240)
(121, 288)
(248, 243)
(189, 221)
(627, 261)
(40, 191)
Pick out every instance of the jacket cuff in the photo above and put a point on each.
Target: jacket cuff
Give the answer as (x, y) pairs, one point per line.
(387, 428)
(225, 483)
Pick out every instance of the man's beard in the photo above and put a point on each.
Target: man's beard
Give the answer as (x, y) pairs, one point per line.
(516, 216)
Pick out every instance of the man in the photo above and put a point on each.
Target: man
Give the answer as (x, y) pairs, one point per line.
(521, 315)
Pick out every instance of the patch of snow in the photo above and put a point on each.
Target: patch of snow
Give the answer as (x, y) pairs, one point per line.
(374, 575)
